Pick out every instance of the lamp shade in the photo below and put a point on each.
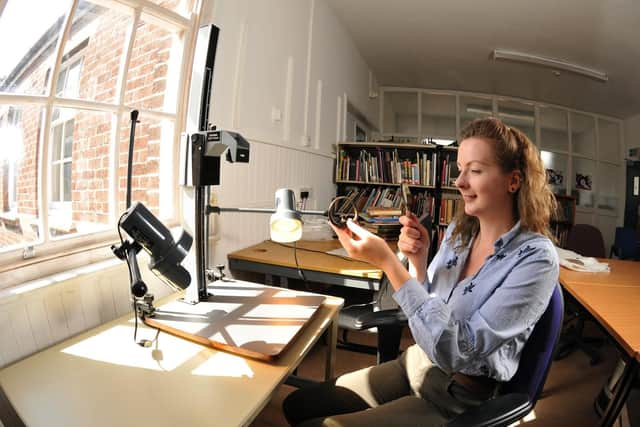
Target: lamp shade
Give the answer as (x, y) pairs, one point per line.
(286, 222)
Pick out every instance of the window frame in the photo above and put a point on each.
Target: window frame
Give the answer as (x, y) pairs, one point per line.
(48, 247)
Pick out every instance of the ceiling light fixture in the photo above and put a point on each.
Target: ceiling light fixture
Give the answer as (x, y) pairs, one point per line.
(515, 115)
(556, 64)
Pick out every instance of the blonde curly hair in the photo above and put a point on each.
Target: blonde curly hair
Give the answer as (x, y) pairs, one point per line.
(534, 204)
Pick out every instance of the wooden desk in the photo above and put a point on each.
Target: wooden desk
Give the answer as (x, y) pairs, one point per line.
(613, 299)
(623, 273)
(103, 378)
(278, 259)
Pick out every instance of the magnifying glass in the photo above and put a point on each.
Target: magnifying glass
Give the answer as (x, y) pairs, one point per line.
(340, 210)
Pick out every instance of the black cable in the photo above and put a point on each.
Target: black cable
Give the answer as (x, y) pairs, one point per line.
(314, 250)
(300, 272)
(378, 298)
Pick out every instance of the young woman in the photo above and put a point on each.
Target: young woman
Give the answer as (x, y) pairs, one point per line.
(471, 310)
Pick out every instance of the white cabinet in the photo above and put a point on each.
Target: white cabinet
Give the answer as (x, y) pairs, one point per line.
(581, 151)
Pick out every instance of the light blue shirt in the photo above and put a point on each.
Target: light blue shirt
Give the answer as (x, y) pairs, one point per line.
(478, 326)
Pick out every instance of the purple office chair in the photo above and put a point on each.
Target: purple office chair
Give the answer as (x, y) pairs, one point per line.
(518, 396)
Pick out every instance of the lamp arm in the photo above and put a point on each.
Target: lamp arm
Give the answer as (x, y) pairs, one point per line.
(218, 209)
(321, 213)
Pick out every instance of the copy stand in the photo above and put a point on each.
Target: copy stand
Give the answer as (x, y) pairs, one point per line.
(239, 317)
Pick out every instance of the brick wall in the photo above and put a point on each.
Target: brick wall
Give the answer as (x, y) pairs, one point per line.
(145, 86)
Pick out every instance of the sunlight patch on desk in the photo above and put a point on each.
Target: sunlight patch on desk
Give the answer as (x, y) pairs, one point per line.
(281, 311)
(373, 273)
(224, 365)
(218, 291)
(272, 336)
(116, 346)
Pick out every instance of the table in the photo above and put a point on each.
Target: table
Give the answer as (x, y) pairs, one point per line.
(103, 378)
(612, 298)
(278, 259)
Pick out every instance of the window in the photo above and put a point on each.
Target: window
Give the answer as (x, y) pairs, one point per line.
(68, 82)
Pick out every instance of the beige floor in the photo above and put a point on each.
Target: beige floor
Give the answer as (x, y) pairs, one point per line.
(567, 398)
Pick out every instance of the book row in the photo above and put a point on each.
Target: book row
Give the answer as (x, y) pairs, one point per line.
(389, 167)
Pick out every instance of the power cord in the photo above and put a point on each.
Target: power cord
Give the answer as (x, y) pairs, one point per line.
(295, 248)
(313, 250)
(300, 271)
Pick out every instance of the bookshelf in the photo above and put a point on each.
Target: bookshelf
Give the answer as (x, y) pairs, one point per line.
(564, 219)
(371, 174)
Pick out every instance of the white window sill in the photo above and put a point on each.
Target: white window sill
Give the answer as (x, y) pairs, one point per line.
(46, 272)
(15, 291)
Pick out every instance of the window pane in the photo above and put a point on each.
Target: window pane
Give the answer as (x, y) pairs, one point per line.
(66, 182)
(153, 165)
(519, 115)
(583, 134)
(56, 143)
(554, 131)
(94, 51)
(19, 219)
(401, 114)
(438, 116)
(68, 139)
(154, 68)
(80, 184)
(62, 77)
(55, 182)
(33, 37)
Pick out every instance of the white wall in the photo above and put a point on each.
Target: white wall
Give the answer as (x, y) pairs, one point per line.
(292, 59)
(288, 55)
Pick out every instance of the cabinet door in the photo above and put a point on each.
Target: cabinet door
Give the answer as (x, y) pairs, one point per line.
(518, 115)
(609, 141)
(438, 116)
(473, 107)
(557, 167)
(554, 130)
(400, 114)
(583, 135)
(582, 186)
(609, 181)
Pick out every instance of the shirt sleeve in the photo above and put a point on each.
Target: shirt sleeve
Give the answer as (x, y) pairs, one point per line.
(509, 313)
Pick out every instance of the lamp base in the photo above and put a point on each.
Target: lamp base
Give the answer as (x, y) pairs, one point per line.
(239, 317)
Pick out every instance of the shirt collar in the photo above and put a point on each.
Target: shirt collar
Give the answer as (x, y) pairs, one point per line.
(507, 237)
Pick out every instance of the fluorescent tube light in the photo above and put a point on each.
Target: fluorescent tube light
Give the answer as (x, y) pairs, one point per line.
(521, 116)
(556, 64)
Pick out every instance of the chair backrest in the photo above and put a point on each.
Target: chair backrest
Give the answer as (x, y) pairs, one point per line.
(537, 353)
(626, 243)
(586, 240)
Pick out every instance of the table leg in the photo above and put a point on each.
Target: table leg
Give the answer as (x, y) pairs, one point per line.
(332, 341)
(620, 393)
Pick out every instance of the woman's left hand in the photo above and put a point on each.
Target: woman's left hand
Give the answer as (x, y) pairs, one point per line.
(362, 245)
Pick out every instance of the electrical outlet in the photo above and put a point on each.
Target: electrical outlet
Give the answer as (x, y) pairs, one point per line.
(303, 197)
(304, 191)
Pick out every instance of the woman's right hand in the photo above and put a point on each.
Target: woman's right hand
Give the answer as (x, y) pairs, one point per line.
(414, 242)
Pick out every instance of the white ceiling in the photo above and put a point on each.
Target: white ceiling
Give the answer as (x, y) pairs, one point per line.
(448, 44)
